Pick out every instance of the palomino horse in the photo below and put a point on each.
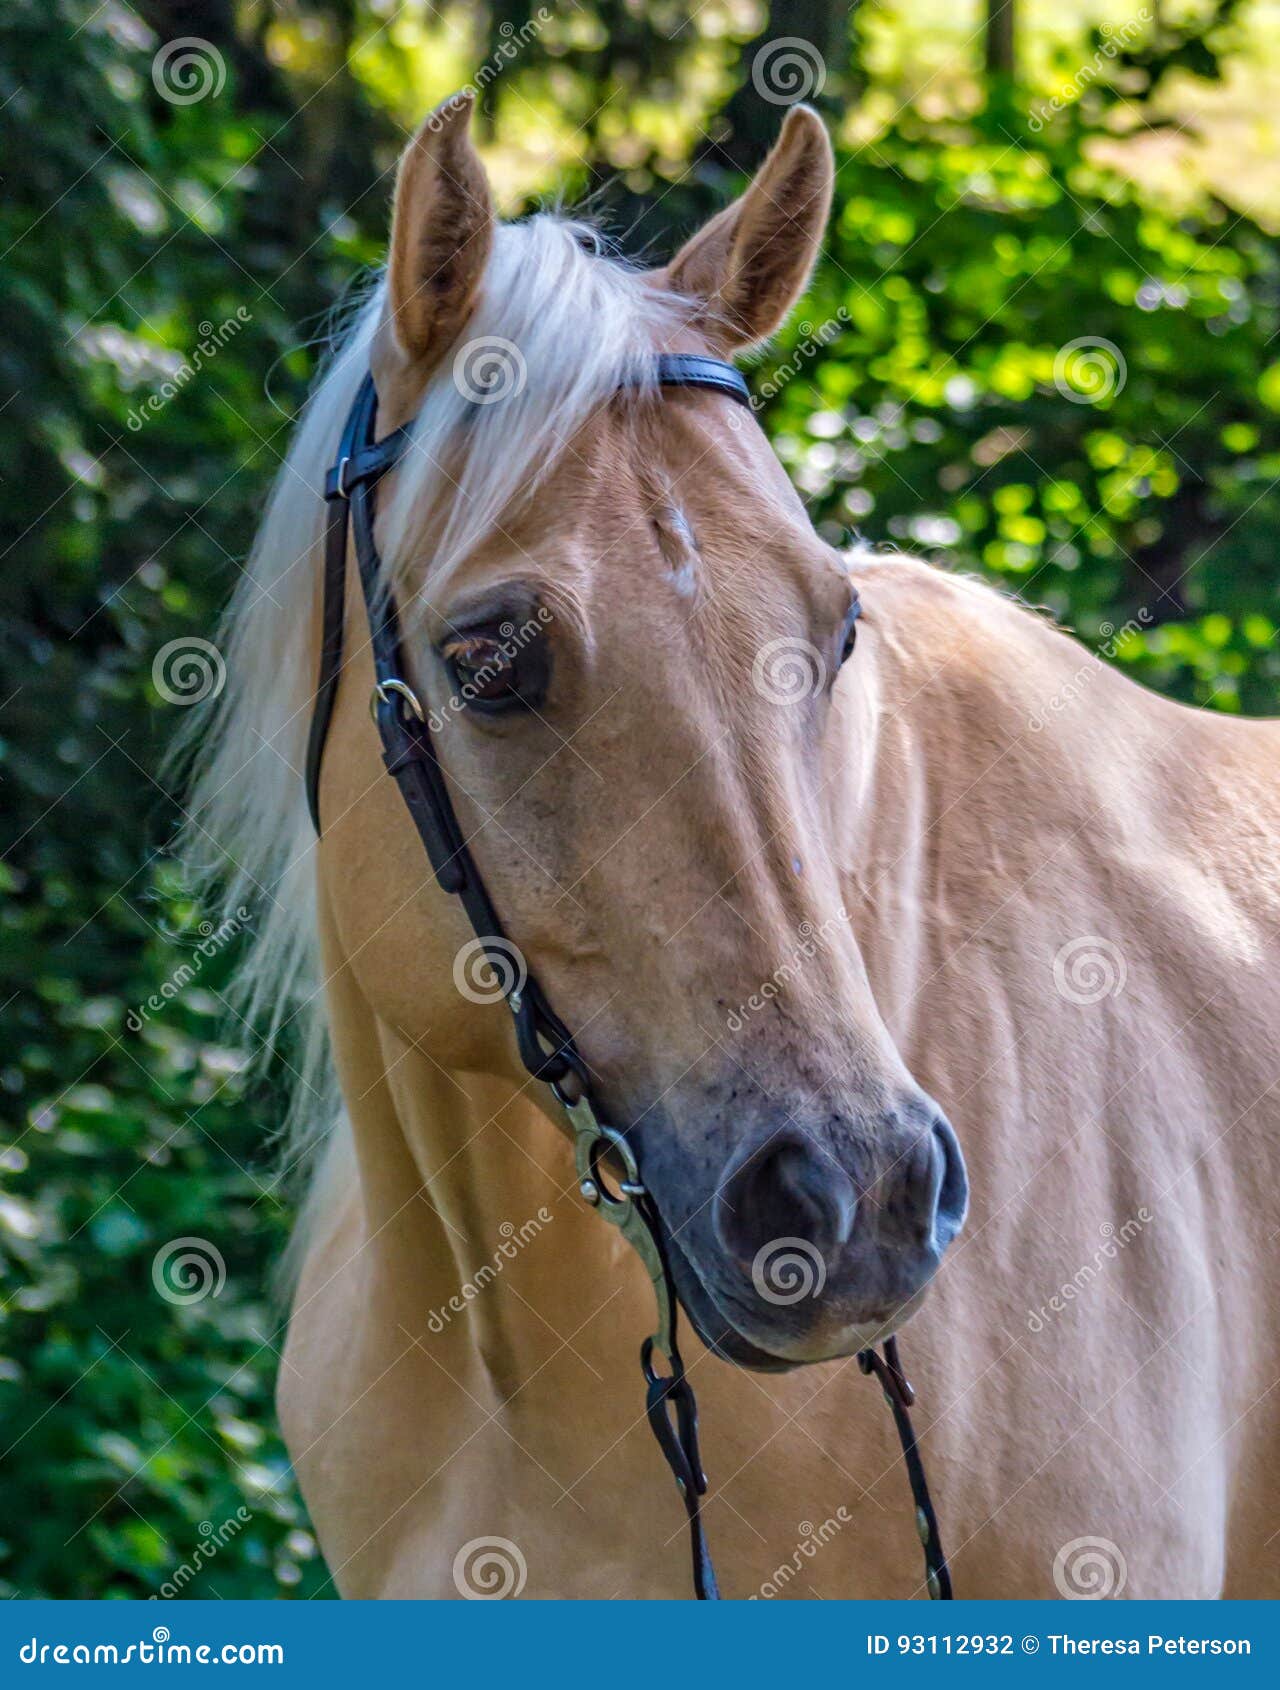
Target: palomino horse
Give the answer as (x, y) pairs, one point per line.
(787, 890)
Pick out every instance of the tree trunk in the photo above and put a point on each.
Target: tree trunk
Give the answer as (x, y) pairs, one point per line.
(803, 53)
(1000, 54)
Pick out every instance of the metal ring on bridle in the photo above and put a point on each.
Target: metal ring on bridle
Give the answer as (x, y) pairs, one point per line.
(593, 1142)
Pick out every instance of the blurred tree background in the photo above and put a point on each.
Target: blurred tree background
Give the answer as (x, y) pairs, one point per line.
(1042, 346)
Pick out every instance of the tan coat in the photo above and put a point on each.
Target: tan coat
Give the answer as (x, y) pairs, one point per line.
(1062, 900)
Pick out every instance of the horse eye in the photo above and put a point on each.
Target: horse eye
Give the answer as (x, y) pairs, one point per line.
(850, 633)
(503, 670)
(481, 667)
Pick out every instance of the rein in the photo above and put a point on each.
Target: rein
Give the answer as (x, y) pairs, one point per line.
(546, 1045)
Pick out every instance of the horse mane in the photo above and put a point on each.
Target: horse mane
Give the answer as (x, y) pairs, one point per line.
(573, 326)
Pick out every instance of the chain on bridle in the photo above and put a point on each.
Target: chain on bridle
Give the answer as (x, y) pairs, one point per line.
(546, 1046)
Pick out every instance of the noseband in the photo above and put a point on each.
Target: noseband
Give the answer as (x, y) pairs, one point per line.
(546, 1046)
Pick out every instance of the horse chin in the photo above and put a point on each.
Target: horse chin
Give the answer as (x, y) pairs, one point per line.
(724, 1339)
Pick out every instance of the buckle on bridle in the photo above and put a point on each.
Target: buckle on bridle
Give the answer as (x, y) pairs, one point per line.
(384, 691)
(888, 1370)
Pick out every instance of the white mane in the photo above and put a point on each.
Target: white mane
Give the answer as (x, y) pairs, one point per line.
(572, 326)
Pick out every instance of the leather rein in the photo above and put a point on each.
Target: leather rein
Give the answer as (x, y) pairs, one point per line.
(546, 1045)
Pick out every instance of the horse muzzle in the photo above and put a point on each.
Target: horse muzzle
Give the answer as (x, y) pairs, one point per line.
(809, 1249)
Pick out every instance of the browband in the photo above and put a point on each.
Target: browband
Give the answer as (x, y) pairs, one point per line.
(691, 369)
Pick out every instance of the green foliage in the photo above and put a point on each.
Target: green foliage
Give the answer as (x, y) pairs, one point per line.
(136, 231)
(1038, 376)
(146, 238)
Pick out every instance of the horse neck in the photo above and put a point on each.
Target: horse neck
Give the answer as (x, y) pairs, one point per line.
(987, 750)
(470, 1221)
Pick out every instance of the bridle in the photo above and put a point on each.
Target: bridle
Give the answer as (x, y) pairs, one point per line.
(546, 1046)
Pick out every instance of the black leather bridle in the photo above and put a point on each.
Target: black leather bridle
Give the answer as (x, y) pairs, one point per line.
(546, 1046)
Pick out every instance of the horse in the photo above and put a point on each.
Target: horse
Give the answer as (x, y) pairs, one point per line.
(927, 961)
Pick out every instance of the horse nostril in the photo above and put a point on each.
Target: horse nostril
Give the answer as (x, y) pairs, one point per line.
(951, 1203)
(785, 1189)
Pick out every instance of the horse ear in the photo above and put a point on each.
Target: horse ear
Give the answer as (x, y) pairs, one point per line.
(751, 262)
(441, 232)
